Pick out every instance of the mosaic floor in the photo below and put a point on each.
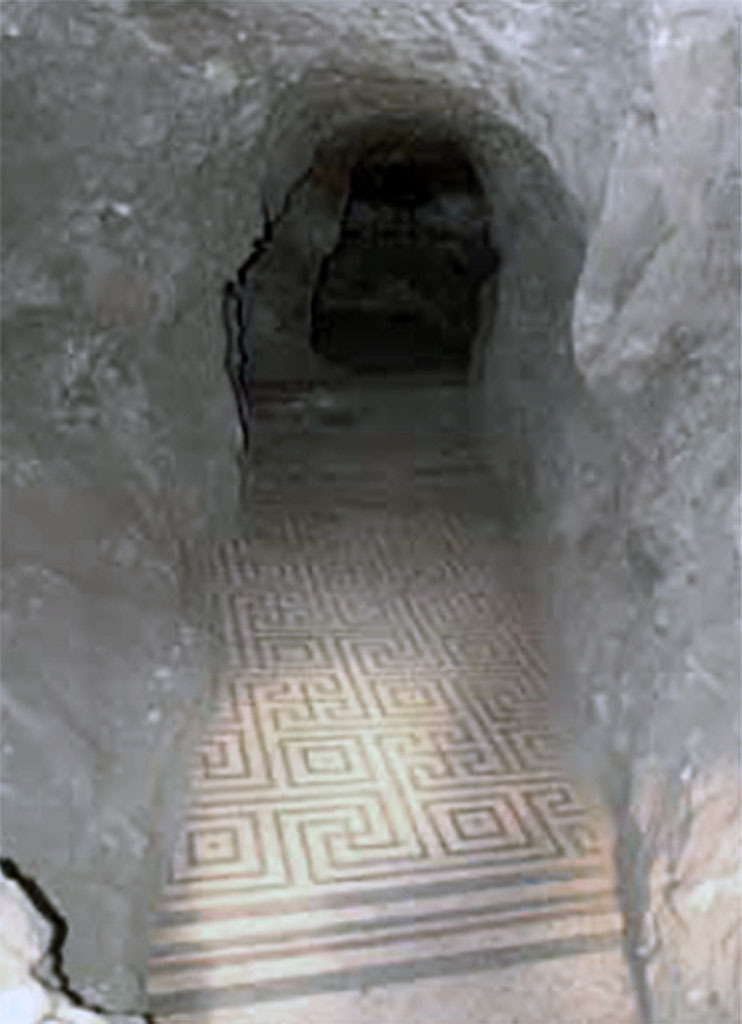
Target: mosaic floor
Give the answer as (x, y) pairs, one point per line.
(377, 804)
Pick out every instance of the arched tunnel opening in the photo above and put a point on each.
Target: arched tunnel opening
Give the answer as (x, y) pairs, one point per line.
(376, 262)
(375, 265)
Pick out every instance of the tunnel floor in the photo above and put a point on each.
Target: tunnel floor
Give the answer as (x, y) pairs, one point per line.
(379, 828)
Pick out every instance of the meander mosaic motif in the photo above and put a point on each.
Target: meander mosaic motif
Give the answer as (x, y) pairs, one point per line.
(378, 797)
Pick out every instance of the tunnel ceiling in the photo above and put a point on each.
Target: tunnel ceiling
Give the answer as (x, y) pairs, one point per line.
(400, 290)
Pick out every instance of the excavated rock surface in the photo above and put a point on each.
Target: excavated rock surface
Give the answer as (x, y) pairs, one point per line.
(646, 551)
(139, 139)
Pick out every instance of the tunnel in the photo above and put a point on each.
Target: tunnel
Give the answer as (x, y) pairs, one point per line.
(422, 704)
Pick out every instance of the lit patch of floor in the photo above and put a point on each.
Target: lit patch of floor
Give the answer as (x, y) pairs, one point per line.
(377, 812)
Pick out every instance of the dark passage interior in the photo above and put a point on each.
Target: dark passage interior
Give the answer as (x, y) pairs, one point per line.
(400, 290)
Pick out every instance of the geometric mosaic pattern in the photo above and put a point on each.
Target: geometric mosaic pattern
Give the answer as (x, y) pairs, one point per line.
(377, 797)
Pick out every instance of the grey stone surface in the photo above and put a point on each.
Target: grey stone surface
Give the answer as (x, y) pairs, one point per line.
(138, 141)
(644, 558)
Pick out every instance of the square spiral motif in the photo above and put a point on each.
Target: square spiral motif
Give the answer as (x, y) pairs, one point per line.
(213, 846)
(323, 762)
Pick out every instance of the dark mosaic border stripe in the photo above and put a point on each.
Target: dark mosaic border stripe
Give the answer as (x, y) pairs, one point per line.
(357, 898)
(552, 908)
(399, 972)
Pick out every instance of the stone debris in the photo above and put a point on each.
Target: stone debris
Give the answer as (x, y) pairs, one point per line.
(29, 992)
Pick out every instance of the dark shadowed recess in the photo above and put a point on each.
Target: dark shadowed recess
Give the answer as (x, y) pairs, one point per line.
(400, 291)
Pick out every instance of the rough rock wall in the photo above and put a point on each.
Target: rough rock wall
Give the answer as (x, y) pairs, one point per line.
(644, 554)
(115, 415)
(308, 229)
(138, 138)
